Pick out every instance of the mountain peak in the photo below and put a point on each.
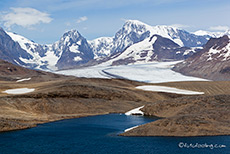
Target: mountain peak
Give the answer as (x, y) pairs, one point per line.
(135, 26)
(72, 34)
(134, 22)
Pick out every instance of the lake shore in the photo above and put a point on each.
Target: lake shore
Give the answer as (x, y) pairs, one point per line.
(187, 116)
(79, 97)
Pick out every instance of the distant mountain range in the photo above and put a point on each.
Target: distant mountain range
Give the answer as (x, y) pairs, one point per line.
(135, 42)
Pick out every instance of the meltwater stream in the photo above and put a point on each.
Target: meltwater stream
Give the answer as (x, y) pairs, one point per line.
(98, 135)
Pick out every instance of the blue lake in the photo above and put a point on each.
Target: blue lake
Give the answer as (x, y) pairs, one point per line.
(98, 135)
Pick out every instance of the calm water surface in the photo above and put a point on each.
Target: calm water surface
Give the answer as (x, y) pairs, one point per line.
(98, 135)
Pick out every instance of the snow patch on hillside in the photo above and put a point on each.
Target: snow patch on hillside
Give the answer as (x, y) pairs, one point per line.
(168, 90)
(77, 58)
(74, 49)
(19, 91)
(21, 80)
(136, 111)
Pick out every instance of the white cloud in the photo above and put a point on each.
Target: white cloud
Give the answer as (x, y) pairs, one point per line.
(179, 26)
(81, 19)
(219, 28)
(25, 17)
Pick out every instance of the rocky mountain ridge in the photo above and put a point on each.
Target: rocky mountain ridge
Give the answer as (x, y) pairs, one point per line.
(212, 62)
(73, 49)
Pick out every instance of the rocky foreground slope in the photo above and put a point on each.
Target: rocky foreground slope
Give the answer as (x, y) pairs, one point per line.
(58, 97)
(69, 98)
(187, 116)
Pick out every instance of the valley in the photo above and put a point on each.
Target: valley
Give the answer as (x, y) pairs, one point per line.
(168, 71)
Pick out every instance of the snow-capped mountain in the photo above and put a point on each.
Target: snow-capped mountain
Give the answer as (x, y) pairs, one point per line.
(134, 40)
(73, 49)
(39, 56)
(154, 48)
(213, 62)
(134, 31)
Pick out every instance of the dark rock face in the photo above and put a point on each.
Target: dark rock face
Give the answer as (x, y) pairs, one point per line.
(11, 51)
(166, 49)
(211, 63)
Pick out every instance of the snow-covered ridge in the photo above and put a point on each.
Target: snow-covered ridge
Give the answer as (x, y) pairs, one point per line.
(42, 55)
(207, 33)
(74, 49)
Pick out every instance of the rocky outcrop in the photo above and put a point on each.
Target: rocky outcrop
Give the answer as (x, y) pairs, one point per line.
(187, 116)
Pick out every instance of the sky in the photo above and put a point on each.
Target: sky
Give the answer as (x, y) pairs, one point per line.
(45, 21)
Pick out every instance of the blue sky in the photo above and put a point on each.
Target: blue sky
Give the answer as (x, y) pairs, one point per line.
(45, 21)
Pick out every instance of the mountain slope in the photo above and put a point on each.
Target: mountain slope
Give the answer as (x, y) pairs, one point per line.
(40, 56)
(11, 51)
(155, 48)
(213, 62)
